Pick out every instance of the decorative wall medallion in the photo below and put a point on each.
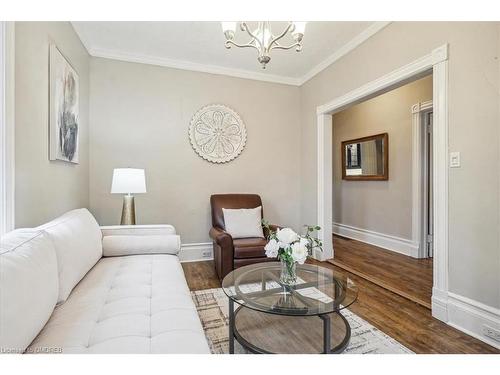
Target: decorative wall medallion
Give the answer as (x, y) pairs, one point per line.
(217, 133)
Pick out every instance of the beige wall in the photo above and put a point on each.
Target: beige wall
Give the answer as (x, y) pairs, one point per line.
(473, 125)
(380, 206)
(45, 189)
(139, 118)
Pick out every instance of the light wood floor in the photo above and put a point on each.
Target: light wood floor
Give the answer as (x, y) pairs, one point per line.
(401, 274)
(409, 323)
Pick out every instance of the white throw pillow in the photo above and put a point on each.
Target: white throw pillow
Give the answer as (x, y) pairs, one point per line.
(243, 222)
(28, 287)
(77, 240)
(132, 245)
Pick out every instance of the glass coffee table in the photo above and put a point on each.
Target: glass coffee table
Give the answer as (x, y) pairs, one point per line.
(277, 318)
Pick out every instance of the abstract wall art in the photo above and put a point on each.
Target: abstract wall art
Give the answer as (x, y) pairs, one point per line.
(64, 108)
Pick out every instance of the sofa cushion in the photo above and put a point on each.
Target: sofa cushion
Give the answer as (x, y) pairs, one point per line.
(77, 240)
(28, 287)
(134, 245)
(249, 247)
(130, 304)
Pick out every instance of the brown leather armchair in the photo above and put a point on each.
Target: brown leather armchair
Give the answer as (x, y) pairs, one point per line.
(232, 253)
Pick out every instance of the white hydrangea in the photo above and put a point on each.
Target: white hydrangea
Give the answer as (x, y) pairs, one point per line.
(272, 248)
(287, 236)
(299, 251)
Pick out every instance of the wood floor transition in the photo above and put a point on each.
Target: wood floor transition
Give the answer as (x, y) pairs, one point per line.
(401, 274)
(404, 320)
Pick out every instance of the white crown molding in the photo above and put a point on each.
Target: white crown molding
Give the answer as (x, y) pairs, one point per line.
(232, 72)
(344, 50)
(187, 65)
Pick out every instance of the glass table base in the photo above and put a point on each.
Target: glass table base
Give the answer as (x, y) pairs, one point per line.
(266, 333)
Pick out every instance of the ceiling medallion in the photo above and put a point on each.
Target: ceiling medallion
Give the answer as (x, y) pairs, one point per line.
(217, 133)
(262, 38)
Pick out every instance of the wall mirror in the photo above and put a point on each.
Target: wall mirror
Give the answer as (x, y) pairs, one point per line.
(366, 158)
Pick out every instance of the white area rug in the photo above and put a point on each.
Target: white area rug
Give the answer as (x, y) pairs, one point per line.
(213, 305)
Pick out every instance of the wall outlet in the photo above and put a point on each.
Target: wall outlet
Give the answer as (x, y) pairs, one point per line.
(206, 254)
(491, 333)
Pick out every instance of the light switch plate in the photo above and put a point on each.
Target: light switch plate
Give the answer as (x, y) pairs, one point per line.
(454, 159)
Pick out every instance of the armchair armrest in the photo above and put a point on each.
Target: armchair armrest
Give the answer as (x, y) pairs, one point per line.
(221, 237)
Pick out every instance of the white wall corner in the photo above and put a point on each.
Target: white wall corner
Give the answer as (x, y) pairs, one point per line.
(195, 252)
(355, 42)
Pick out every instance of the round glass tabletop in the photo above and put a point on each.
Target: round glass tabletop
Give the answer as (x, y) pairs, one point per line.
(318, 290)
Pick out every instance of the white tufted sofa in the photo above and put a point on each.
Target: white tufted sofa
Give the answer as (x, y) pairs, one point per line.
(61, 293)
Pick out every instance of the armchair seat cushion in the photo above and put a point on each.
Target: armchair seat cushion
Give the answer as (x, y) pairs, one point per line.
(249, 247)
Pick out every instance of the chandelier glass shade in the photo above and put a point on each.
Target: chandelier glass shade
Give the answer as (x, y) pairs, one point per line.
(262, 38)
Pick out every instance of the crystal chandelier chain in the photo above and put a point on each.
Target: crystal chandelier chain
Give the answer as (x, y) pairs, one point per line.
(262, 38)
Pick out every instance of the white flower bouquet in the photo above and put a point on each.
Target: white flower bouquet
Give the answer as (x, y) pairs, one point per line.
(291, 248)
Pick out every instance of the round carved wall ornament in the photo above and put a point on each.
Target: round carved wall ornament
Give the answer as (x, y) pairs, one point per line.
(217, 133)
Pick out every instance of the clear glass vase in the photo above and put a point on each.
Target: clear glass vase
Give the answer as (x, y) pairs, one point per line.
(288, 273)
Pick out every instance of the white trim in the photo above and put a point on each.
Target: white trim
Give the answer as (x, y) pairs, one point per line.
(437, 61)
(193, 252)
(440, 172)
(385, 241)
(344, 50)
(387, 82)
(191, 66)
(7, 166)
(418, 110)
(470, 316)
(232, 72)
(325, 189)
(439, 304)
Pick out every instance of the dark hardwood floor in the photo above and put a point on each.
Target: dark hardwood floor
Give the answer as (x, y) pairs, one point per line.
(404, 320)
(401, 274)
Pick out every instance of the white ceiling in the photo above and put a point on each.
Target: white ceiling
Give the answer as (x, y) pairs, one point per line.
(200, 46)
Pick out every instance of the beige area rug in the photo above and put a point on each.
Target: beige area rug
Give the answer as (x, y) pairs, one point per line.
(213, 307)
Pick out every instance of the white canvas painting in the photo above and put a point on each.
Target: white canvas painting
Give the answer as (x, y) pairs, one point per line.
(64, 108)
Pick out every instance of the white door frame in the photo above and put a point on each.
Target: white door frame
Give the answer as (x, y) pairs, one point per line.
(6, 126)
(437, 62)
(418, 110)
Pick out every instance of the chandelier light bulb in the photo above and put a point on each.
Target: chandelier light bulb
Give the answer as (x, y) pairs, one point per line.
(264, 35)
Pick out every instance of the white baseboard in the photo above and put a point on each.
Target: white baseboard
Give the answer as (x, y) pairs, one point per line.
(471, 316)
(439, 305)
(466, 315)
(385, 241)
(194, 252)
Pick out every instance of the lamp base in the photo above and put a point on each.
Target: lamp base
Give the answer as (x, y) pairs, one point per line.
(128, 210)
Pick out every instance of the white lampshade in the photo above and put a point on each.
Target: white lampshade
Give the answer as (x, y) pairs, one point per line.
(300, 27)
(228, 26)
(128, 180)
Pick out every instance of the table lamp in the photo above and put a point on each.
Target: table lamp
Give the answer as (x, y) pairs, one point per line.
(128, 181)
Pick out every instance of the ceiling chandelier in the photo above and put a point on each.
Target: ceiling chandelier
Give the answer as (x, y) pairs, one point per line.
(262, 38)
